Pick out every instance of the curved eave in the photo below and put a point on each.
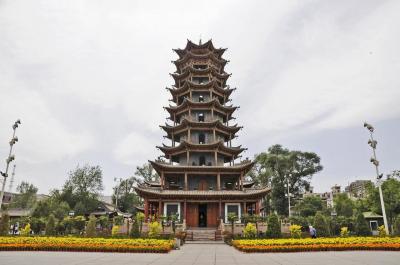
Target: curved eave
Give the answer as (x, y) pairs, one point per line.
(192, 70)
(189, 103)
(207, 45)
(193, 194)
(190, 55)
(196, 124)
(202, 147)
(211, 85)
(163, 167)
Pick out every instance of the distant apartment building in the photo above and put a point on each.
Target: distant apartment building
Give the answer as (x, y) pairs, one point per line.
(357, 189)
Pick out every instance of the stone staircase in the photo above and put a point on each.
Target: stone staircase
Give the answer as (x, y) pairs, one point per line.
(203, 234)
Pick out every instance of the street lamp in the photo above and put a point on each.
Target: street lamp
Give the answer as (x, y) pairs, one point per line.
(288, 195)
(373, 143)
(120, 180)
(9, 159)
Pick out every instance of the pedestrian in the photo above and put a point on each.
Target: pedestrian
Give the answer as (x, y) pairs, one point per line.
(313, 232)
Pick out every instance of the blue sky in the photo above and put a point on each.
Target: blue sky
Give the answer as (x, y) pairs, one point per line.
(87, 80)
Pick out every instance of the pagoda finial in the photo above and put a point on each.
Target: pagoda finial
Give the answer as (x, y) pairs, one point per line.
(200, 40)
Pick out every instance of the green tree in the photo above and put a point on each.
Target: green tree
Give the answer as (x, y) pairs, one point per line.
(232, 218)
(273, 227)
(361, 226)
(309, 206)
(278, 165)
(91, 226)
(51, 225)
(79, 223)
(83, 186)
(127, 197)
(343, 205)
(391, 196)
(4, 224)
(321, 225)
(26, 197)
(397, 226)
(38, 224)
(140, 219)
(146, 173)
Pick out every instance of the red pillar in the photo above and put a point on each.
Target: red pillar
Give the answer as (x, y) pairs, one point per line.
(159, 208)
(185, 210)
(146, 209)
(220, 209)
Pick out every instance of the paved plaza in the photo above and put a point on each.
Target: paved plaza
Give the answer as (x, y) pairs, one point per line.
(200, 254)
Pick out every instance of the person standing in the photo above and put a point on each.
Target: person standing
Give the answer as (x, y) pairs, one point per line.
(313, 232)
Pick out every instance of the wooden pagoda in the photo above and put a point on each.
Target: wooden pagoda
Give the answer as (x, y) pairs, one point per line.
(200, 178)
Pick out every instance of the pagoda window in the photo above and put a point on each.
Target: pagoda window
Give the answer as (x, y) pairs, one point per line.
(202, 161)
(201, 98)
(200, 66)
(202, 138)
(232, 208)
(251, 208)
(200, 117)
(200, 79)
(171, 208)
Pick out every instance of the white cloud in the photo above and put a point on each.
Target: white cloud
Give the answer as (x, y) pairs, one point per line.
(87, 78)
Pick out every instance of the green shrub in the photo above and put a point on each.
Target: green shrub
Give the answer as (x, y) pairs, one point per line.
(321, 225)
(135, 233)
(382, 231)
(361, 226)
(91, 226)
(250, 231)
(51, 226)
(115, 230)
(140, 219)
(295, 231)
(232, 218)
(397, 226)
(4, 224)
(344, 232)
(273, 227)
(26, 231)
(118, 220)
(154, 229)
(79, 223)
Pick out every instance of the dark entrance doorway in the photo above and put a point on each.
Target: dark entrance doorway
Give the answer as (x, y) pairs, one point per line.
(202, 215)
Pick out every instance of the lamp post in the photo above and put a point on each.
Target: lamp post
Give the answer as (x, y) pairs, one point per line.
(117, 193)
(374, 161)
(9, 159)
(288, 192)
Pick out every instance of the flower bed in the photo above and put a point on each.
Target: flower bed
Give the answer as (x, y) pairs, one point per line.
(85, 244)
(318, 244)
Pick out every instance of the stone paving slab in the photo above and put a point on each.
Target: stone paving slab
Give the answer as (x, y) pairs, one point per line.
(201, 254)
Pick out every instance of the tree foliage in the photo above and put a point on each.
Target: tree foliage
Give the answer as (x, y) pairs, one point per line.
(51, 225)
(4, 224)
(91, 227)
(361, 226)
(309, 206)
(146, 173)
(321, 225)
(391, 195)
(278, 165)
(273, 227)
(83, 187)
(26, 197)
(127, 197)
(343, 205)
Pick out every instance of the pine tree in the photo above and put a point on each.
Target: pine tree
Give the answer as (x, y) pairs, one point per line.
(361, 226)
(321, 225)
(51, 226)
(91, 227)
(4, 224)
(273, 227)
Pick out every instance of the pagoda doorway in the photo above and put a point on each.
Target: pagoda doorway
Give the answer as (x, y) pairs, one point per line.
(202, 215)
